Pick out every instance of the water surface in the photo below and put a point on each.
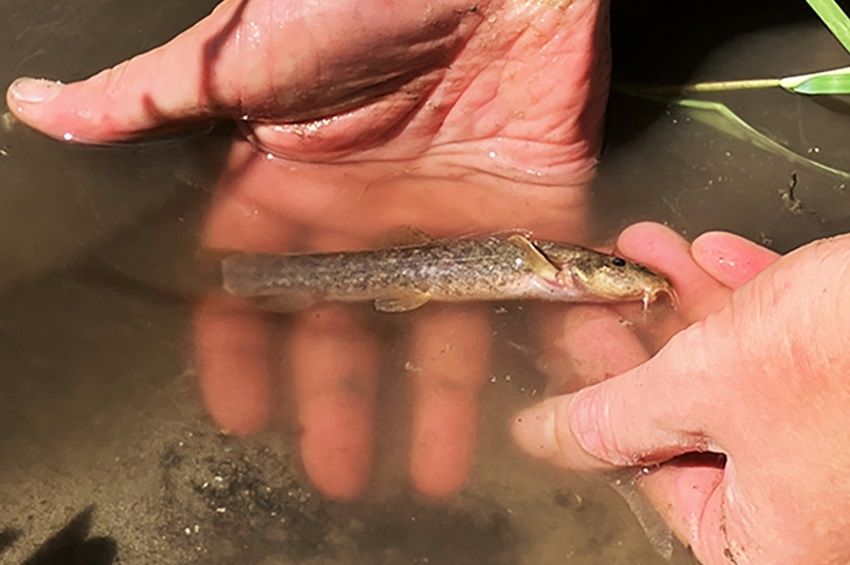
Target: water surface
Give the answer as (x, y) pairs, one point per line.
(105, 442)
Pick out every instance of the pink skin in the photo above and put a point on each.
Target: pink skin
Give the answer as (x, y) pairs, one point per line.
(393, 80)
(455, 117)
(759, 375)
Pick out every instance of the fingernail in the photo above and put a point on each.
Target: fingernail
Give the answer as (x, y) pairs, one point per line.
(34, 90)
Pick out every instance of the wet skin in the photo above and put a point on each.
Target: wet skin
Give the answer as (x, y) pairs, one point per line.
(755, 370)
(453, 117)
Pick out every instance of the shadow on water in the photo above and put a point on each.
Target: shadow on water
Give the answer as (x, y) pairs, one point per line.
(8, 537)
(58, 202)
(72, 545)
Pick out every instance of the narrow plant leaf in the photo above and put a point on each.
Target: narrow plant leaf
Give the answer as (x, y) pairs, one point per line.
(721, 118)
(831, 82)
(834, 18)
(834, 81)
(724, 120)
(696, 87)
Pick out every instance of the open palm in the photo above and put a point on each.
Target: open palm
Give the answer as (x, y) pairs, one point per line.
(451, 117)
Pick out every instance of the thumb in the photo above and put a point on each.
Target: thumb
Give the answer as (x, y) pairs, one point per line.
(647, 415)
(174, 84)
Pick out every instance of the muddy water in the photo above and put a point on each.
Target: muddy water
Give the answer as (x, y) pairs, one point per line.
(106, 447)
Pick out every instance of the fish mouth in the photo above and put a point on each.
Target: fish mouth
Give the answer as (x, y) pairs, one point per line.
(646, 293)
(651, 294)
(595, 292)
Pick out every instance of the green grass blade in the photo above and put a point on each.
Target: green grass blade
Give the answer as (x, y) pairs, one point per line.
(831, 82)
(834, 18)
(696, 87)
(718, 116)
(835, 81)
(721, 118)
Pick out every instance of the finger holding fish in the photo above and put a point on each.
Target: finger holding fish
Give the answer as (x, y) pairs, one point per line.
(573, 357)
(597, 345)
(686, 489)
(589, 329)
(683, 488)
(662, 249)
(703, 273)
(693, 293)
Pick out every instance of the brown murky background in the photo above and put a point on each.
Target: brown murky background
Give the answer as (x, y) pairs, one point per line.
(105, 449)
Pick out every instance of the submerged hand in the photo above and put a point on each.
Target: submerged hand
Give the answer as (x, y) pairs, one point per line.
(453, 117)
(760, 376)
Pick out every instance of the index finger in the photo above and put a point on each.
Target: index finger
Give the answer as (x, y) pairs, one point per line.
(663, 250)
(731, 259)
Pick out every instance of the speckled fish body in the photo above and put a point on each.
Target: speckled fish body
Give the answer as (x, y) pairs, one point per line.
(403, 278)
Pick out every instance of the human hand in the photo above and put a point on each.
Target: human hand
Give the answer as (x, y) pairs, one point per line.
(452, 117)
(355, 80)
(759, 376)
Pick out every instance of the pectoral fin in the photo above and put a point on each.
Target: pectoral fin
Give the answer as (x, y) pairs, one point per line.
(534, 258)
(401, 302)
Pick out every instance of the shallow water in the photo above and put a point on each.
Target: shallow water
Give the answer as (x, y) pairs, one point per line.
(106, 447)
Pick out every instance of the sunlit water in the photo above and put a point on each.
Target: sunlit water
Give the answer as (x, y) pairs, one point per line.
(100, 408)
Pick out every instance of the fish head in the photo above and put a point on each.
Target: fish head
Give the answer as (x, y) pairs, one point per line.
(612, 278)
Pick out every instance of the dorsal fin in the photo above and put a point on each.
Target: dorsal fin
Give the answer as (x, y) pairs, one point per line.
(534, 258)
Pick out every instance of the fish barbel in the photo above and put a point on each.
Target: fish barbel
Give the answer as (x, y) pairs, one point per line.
(399, 279)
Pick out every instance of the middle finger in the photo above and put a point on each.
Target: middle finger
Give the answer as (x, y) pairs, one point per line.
(450, 358)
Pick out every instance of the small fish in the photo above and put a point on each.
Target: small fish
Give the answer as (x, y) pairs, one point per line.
(400, 279)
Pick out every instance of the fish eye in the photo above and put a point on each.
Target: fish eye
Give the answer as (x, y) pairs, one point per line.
(618, 262)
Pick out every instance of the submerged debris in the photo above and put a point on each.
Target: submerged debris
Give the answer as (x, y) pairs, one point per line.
(7, 121)
(793, 203)
(789, 198)
(249, 502)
